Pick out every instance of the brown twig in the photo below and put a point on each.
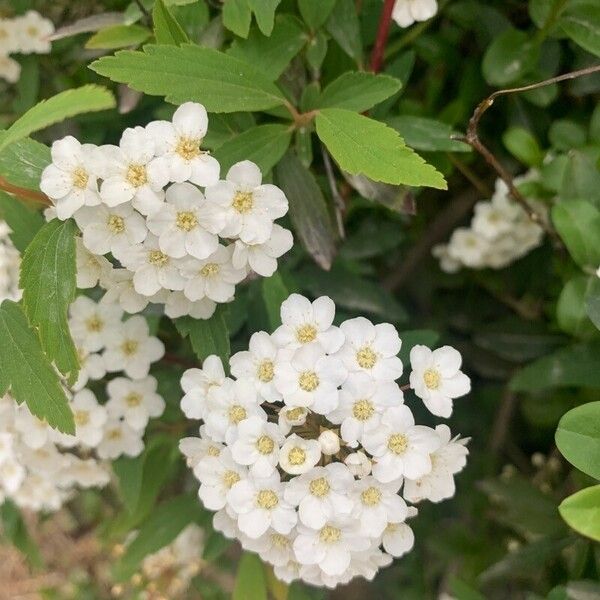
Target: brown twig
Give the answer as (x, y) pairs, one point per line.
(502, 421)
(24, 193)
(173, 359)
(468, 173)
(382, 35)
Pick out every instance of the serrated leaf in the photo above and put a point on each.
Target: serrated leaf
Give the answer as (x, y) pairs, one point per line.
(23, 161)
(250, 581)
(89, 98)
(264, 145)
(582, 24)
(237, 16)
(48, 283)
(26, 372)
(166, 28)
(362, 146)
(581, 511)
(315, 12)
(264, 13)
(426, 134)
(23, 221)
(358, 91)
(208, 336)
(192, 73)
(118, 36)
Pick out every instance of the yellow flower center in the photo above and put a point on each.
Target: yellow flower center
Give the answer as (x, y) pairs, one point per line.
(297, 456)
(133, 399)
(266, 371)
(279, 541)
(363, 410)
(398, 443)
(230, 478)
(213, 451)
(319, 487)
(33, 31)
(308, 381)
(330, 534)
(391, 527)
(136, 175)
(432, 379)
(94, 324)
(116, 224)
(306, 333)
(130, 347)
(366, 358)
(209, 270)
(293, 414)
(267, 499)
(114, 434)
(80, 178)
(371, 496)
(81, 417)
(265, 444)
(237, 413)
(243, 202)
(3, 34)
(157, 258)
(188, 148)
(186, 221)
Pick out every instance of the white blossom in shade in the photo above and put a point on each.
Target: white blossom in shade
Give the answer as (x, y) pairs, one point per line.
(368, 562)
(448, 460)
(92, 324)
(120, 439)
(90, 418)
(134, 400)
(214, 277)
(299, 455)
(153, 269)
(7, 449)
(197, 383)
(492, 220)
(91, 367)
(371, 349)
(226, 524)
(183, 224)
(406, 12)
(275, 548)
(321, 493)
(468, 247)
(377, 504)
(259, 504)
(12, 475)
(303, 322)
(112, 230)
(9, 37)
(133, 174)
(33, 32)
(437, 379)
(262, 258)
(257, 446)
(10, 69)
(447, 263)
(46, 460)
(257, 365)
(291, 417)
(120, 290)
(179, 143)
(359, 463)
(90, 268)
(217, 475)
(362, 402)
(329, 441)
(400, 447)
(228, 406)
(85, 473)
(196, 448)
(177, 305)
(132, 349)
(244, 208)
(10, 262)
(69, 181)
(331, 546)
(398, 538)
(38, 493)
(34, 432)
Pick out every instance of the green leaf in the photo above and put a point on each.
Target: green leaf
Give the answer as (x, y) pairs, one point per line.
(344, 27)
(358, 91)
(578, 224)
(308, 210)
(264, 13)
(208, 336)
(572, 366)
(237, 16)
(166, 28)
(581, 23)
(264, 145)
(578, 438)
(315, 12)
(250, 581)
(592, 302)
(26, 372)
(426, 134)
(23, 161)
(23, 221)
(523, 146)
(581, 179)
(48, 283)
(565, 134)
(191, 73)
(271, 54)
(14, 529)
(509, 57)
(69, 103)
(274, 292)
(581, 511)
(362, 146)
(118, 36)
(571, 311)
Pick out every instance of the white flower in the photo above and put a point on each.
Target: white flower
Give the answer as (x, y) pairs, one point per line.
(321, 493)
(12, 475)
(34, 432)
(262, 258)
(226, 524)
(303, 322)
(131, 349)
(257, 446)
(406, 12)
(120, 439)
(371, 349)
(153, 269)
(214, 277)
(135, 401)
(259, 504)
(33, 32)
(436, 378)
(359, 464)
(298, 455)
(196, 384)
(446, 461)
(195, 449)
(177, 305)
(9, 37)
(491, 220)
(90, 418)
(112, 230)
(90, 268)
(70, 181)
(183, 224)
(217, 475)
(291, 417)
(398, 539)
(179, 142)
(468, 247)
(447, 263)
(10, 69)
(362, 402)
(120, 290)
(329, 441)
(274, 548)
(245, 208)
(83, 472)
(257, 365)
(46, 461)
(92, 324)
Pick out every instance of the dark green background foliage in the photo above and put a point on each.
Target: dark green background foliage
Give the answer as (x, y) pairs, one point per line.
(290, 89)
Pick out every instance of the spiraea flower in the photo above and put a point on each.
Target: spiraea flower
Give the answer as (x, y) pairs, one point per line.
(309, 457)
(406, 12)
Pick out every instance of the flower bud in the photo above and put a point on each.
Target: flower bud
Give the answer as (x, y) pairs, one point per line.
(358, 463)
(330, 442)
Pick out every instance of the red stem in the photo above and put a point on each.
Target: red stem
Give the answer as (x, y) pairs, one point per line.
(382, 35)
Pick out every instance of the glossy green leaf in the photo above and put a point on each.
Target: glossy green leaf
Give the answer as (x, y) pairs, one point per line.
(523, 146)
(426, 134)
(23, 161)
(118, 36)
(274, 292)
(264, 13)
(23, 220)
(581, 23)
(581, 511)
(571, 312)
(250, 581)
(237, 16)
(166, 28)
(208, 336)
(581, 179)
(578, 224)
(592, 302)
(509, 57)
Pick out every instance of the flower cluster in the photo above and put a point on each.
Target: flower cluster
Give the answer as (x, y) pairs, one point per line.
(501, 232)
(310, 455)
(9, 266)
(140, 203)
(25, 34)
(39, 466)
(406, 12)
